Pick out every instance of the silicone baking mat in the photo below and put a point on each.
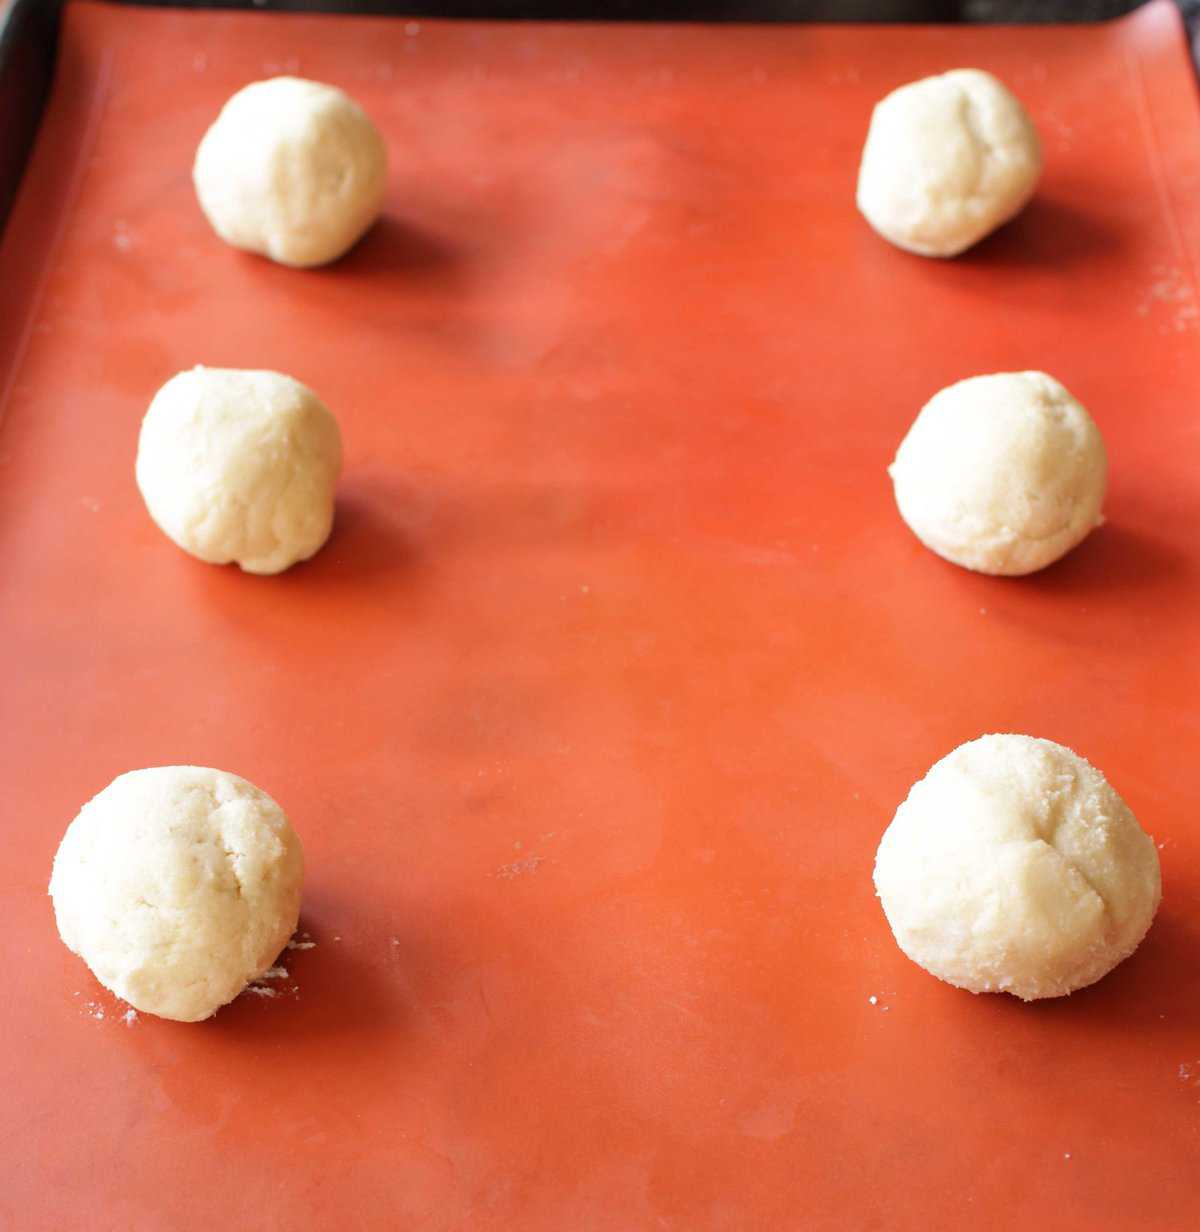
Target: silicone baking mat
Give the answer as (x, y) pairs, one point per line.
(619, 660)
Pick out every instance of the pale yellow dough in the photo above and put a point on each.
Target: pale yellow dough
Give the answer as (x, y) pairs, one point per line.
(177, 886)
(292, 169)
(1002, 474)
(240, 465)
(1014, 867)
(947, 160)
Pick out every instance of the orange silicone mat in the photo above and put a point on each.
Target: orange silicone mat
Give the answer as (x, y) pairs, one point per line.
(593, 709)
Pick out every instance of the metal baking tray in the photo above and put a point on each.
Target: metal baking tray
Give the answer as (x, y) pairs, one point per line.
(593, 709)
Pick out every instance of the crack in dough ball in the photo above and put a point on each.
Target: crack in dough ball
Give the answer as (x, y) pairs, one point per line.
(177, 886)
(291, 169)
(1002, 474)
(238, 465)
(1014, 867)
(948, 159)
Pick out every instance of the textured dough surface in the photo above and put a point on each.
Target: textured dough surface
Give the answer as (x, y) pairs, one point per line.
(177, 886)
(1014, 867)
(241, 466)
(292, 169)
(947, 160)
(1002, 474)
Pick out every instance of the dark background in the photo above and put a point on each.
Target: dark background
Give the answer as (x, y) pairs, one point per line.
(719, 10)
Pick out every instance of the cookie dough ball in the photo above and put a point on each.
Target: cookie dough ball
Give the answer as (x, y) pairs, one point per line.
(291, 169)
(1014, 867)
(238, 465)
(178, 886)
(947, 160)
(1002, 474)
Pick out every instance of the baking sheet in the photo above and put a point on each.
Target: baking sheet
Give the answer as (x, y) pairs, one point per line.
(592, 711)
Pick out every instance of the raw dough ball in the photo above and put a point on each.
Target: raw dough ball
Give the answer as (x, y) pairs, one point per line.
(1002, 474)
(947, 160)
(236, 465)
(291, 169)
(177, 886)
(1014, 867)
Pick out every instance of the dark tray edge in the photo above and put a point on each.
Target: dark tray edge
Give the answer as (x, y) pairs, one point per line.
(28, 49)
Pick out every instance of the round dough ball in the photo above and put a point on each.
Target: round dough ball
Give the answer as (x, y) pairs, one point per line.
(947, 160)
(178, 886)
(237, 465)
(291, 169)
(1014, 867)
(1002, 474)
